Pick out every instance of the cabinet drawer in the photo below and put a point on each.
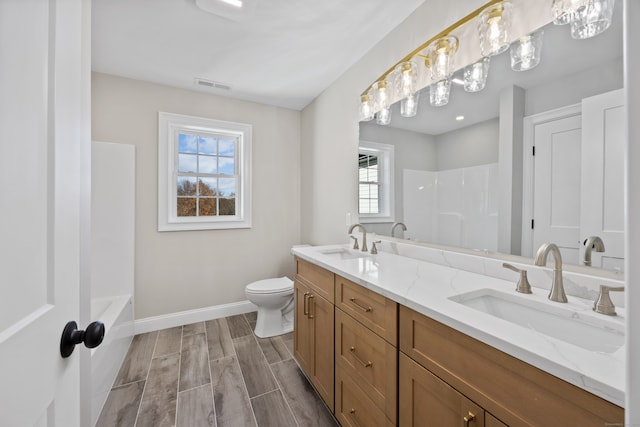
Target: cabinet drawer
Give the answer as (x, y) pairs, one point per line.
(316, 277)
(370, 359)
(370, 308)
(512, 390)
(353, 407)
(427, 401)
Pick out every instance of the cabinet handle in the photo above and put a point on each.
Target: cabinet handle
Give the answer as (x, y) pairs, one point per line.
(366, 364)
(311, 315)
(305, 305)
(470, 417)
(352, 412)
(366, 309)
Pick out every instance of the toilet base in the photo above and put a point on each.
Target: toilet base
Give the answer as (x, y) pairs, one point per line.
(271, 323)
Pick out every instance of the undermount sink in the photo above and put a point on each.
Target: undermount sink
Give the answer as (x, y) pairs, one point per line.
(587, 331)
(343, 253)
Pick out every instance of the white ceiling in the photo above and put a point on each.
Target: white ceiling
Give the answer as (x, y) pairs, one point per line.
(277, 52)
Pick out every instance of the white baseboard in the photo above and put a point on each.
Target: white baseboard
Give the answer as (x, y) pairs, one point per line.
(171, 320)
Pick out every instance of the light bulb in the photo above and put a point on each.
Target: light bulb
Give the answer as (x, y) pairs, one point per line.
(409, 106)
(494, 27)
(383, 117)
(439, 93)
(366, 110)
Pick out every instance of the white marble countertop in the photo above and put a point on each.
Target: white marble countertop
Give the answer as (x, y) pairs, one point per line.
(426, 288)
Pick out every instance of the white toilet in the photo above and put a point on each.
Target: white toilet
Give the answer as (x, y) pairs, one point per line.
(274, 298)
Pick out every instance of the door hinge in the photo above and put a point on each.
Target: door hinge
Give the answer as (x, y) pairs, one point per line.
(532, 224)
(533, 150)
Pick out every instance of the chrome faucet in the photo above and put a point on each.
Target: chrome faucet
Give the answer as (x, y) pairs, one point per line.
(364, 235)
(393, 228)
(595, 243)
(557, 287)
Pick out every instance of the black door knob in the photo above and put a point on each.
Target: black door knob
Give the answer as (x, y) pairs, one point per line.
(71, 336)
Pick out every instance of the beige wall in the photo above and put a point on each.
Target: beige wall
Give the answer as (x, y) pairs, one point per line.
(330, 127)
(184, 270)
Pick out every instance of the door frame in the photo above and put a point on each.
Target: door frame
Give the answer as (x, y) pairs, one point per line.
(528, 167)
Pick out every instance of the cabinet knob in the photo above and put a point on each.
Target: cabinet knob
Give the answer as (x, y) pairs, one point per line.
(468, 418)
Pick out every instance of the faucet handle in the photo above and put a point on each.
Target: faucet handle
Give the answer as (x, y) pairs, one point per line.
(523, 285)
(355, 242)
(603, 303)
(374, 250)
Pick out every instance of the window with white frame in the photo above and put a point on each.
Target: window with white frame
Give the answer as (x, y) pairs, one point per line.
(204, 173)
(375, 186)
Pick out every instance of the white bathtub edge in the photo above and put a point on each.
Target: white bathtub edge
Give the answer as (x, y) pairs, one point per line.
(155, 323)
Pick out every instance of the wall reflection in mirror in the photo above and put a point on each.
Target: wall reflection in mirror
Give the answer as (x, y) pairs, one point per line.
(464, 174)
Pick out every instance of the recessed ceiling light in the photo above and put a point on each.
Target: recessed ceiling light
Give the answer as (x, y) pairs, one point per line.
(236, 3)
(458, 118)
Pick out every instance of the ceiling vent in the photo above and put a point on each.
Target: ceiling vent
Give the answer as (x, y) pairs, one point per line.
(211, 84)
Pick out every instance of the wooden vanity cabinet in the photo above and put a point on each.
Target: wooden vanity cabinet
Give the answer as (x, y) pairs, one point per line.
(514, 392)
(313, 339)
(366, 356)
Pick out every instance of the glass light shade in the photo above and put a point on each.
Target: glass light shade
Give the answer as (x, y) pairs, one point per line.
(409, 105)
(563, 10)
(406, 78)
(525, 52)
(383, 117)
(441, 55)
(381, 95)
(439, 93)
(494, 28)
(591, 19)
(366, 109)
(475, 75)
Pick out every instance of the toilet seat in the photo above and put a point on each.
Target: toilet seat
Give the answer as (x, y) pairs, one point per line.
(270, 286)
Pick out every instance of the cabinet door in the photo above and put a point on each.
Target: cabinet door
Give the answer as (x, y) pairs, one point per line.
(303, 332)
(426, 400)
(322, 322)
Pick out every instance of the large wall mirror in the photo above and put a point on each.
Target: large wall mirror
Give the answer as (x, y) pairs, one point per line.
(454, 167)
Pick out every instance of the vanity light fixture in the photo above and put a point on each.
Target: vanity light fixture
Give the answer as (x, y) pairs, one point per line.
(441, 54)
(366, 109)
(475, 75)
(592, 18)
(494, 28)
(525, 52)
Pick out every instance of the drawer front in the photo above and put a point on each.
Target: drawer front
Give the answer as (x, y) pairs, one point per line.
(512, 390)
(321, 280)
(370, 308)
(353, 407)
(370, 359)
(427, 401)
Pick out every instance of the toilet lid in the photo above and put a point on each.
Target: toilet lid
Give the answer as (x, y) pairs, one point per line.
(269, 286)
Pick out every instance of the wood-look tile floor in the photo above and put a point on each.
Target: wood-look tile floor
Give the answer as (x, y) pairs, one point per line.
(214, 373)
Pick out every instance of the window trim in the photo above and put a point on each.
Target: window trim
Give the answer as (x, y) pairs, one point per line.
(168, 126)
(386, 193)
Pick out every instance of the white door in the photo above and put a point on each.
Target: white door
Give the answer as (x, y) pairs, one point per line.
(602, 204)
(43, 97)
(556, 193)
